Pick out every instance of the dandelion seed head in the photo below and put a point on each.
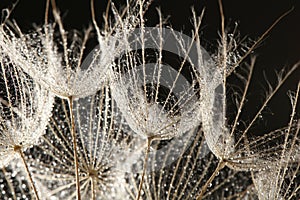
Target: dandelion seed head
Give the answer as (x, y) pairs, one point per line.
(102, 152)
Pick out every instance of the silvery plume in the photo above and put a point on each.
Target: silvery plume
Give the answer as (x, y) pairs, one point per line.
(282, 181)
(232, 140)
(53, 56)
(25, 108)
(157, 97)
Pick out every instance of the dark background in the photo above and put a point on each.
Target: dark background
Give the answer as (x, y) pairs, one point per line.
(281, 48)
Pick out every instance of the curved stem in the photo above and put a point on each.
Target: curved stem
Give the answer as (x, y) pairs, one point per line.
(149, 140)
(19, 151)
(221, 164)
(70, 100)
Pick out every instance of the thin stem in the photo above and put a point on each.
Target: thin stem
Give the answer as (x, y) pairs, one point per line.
(63, 38)
(94, 20)
(267, 100)
(211, 178)
(93, 189)
(18, 149)
(243, 97)
(70, 99)
(47, 12)
(260, 39)
(106, 15)
(223, 61)
(149, 140)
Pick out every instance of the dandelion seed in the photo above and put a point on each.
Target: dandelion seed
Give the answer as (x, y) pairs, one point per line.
(25, 108)
(236, 149)
(39, 55)
(281, 181)
(159, 102)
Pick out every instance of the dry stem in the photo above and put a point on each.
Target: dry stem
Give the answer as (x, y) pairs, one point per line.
(220, 166)
(18, 149)
(70, 100)
(149, 140)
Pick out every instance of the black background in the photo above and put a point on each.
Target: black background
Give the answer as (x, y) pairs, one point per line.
(282, 46)
(279, 49)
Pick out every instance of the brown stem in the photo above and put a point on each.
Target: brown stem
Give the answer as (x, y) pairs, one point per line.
(18, 149)
(93, 189)
(221, 164)
(149, 140)
(74, 148)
